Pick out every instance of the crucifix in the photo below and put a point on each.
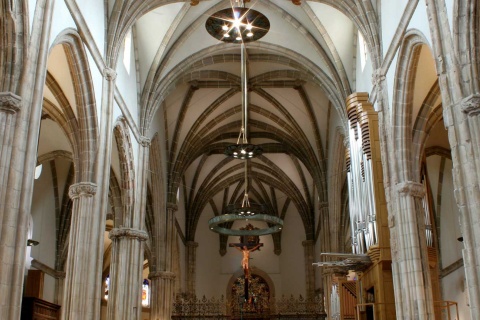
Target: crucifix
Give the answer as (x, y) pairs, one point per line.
(247, 244)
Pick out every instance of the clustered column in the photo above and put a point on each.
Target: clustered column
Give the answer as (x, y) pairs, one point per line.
(309, 250)
(124, 301)
(9, 106)
(466, 166)
(409, 254)
(191, 264)
(163, 281)
(79, 297)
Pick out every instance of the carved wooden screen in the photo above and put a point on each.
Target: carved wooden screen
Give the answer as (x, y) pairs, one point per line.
(258, 301)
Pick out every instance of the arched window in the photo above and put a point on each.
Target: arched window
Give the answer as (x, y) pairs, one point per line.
(145, 293)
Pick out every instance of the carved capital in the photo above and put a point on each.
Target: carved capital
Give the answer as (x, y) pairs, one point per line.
(308, 243)
(378, 77)
(109, 74)
(145, 142)
(129, 233)
(10, 102)
(172, 207)
(82, 189)
(323, 205)
(194, 2)
(191, 244)
(162, 275)
(471, 105)
(411, 188)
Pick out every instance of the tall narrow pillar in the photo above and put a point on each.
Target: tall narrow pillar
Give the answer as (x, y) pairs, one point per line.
(79, 293)
(191, 264)
(464, 136)
(162, 285)
(309, 249)
(409, 255)
(125, 294)
(163, 281)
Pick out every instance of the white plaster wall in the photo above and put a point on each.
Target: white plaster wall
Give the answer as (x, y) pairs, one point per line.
(391, 12)
(93, 12)
(364, 75)
(43, 214)
(61, 20)
(287, 271)
(454, 289)
(127, 82)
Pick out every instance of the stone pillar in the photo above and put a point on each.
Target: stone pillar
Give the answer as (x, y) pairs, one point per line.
(9, 106)
(464, 138)
(162, 284)
(191, 264)
(309, 251)
(409, 254)
(80, 285)
(125, 294)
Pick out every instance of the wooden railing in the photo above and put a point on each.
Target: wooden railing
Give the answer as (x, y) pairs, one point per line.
(38, 309)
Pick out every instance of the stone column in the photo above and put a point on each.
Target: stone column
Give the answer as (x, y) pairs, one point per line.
(191, 265)
(309, 251)
(80, 284)
(9, 106)
(464, 138)
(163, 281)
(162, 284)
(409, 254)
(125, 297)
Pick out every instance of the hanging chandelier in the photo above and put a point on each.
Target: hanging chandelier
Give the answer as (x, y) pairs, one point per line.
(242, 25)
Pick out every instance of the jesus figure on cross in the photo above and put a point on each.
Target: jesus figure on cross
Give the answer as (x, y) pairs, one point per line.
(246, 256)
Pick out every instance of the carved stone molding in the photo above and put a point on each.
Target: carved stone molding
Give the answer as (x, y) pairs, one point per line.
(10, 102)
(471, 105)
(323, 205)
(162, 275)
(308, 243)
(129, 233)
(82, 189)
(145, 142)
(109, 74)
(411, 188)
(172, 206)
(378, 77)
(191, 244)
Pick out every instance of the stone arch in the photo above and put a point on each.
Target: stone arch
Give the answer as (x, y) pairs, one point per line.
(84, 99)
(127, 173)
(401, 157)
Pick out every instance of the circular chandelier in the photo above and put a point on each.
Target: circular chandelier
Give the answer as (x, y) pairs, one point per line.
(237, 25)
(242, 25)
(274, 224)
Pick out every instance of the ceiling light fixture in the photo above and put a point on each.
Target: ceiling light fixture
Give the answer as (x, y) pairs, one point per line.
(242, 22)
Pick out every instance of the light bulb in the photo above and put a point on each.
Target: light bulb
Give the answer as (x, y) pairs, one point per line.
(225, 28)
(250, 34)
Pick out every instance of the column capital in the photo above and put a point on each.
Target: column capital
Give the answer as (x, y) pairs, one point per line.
(172, 206)
(130, 233)
(191, 244)
(378, 77)
(323, 204)
(308, 243)
(10, 102)
(82, 189)
(144, 141)
(411, 188)
(161, 275)
(471, 105)
(109, 74)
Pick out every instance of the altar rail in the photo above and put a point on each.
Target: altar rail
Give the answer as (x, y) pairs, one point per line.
(219, 308)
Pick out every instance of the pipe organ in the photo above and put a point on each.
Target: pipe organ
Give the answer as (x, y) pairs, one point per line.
(368, 209)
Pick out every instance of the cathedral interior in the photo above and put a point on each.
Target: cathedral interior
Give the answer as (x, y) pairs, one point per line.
(229, 159)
